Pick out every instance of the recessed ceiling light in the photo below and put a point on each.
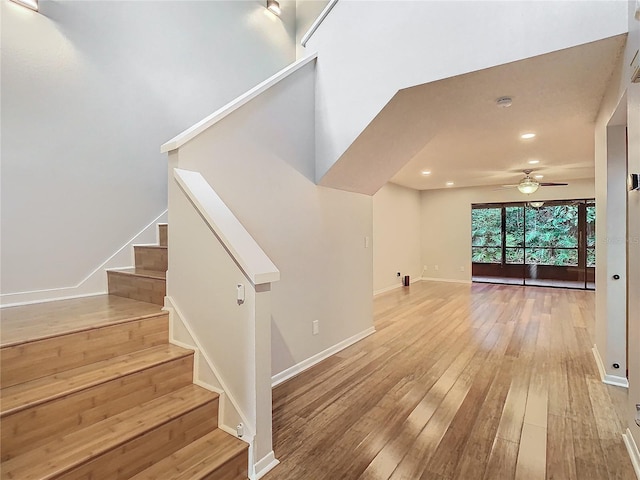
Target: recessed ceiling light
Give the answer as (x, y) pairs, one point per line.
(527, 136)
(449, 184)
(426, 172)
(534, 162)
(504, 102)
(539, 176)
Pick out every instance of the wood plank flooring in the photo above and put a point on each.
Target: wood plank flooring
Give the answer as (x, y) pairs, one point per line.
(461, 382)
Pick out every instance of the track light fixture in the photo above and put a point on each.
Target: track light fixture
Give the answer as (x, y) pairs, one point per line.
(274, 7)
(30, 4)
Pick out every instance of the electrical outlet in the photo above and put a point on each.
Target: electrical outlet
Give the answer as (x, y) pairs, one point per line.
(435, 267)
(366, 242)
(315, 327)
(425, 267)
(462, 269)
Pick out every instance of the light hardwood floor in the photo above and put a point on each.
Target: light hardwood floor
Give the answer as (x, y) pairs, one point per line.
(459, 382)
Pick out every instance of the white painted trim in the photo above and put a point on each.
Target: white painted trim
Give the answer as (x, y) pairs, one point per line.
(196, 354)
(192, 132)
(246, 252)
(207, 386)
(394, 287)
(316, 24)
(599, 363)
(291, 372)
(632, 449)
(614, 380)
(48, 299)
(447, 280)
(617, 381)
(75, 291)
(170, 305)
(387, 289)
(264, 465)
(232, 432)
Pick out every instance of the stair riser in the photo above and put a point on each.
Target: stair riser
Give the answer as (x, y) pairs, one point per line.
(138, 454)
(151, 258)
(163, 234)
(236, 469)
(32, 427)
(145, 289)
(32, 360)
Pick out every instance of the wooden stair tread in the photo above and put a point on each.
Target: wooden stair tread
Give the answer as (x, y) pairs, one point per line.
(44, 320)
(152, 246)
(40, 390)
(139, 272)
(67, 452)
(197, 459)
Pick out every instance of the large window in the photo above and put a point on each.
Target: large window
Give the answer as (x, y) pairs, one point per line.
(486, 236)
(552, 241)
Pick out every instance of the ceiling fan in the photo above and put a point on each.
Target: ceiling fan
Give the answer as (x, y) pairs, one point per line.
(529, 185)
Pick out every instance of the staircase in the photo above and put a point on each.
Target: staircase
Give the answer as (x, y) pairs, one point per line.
(92, 389)
(147, 281)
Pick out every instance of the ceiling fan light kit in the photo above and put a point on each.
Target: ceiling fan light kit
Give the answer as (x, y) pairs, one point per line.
(528, 185)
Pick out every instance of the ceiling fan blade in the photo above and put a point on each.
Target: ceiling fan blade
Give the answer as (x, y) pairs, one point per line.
(513, 185)
(553, 184)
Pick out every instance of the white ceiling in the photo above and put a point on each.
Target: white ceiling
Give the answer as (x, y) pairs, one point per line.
(470, 141)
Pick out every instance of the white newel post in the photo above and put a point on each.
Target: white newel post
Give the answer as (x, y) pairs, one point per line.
(263, 448)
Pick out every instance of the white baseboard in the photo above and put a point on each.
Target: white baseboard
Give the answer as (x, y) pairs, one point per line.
(264, 465)
(632, 449)
(446, 280)
(604, 376)
(95, 283)
(394, 287)
(386, 289)
(291, 372)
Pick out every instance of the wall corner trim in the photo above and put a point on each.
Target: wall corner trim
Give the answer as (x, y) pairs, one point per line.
(265, 465)
(632, 449)
(614, 380)
(298, 368)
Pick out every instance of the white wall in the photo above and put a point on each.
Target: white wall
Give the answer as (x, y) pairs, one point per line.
(612, 336)
(307, 11)
(370, 50)
(633, 265)
(446, 222)
(260, 161)
(90, 92)
(396, 236)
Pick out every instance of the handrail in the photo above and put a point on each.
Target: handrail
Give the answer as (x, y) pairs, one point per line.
(239, 243)
(316, 24)
(192, 132)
